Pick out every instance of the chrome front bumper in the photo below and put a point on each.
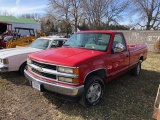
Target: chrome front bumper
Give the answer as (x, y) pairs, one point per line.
(61, 89)
(3, 68)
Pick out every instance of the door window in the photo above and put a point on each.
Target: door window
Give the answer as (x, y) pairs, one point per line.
(118, 38)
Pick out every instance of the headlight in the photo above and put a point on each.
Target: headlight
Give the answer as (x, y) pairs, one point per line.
(4, 61)
(29, 61)
(68, 70)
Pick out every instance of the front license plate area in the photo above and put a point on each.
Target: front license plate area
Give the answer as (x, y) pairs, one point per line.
(36, 85)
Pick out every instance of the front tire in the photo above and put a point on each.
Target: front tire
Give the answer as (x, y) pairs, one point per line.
(22, 67)
(93, 91)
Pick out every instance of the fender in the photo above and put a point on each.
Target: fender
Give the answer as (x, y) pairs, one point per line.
(91, 71)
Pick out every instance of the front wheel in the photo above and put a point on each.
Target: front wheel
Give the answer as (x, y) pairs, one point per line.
(93, 91)
(22, 67)
(136, 71)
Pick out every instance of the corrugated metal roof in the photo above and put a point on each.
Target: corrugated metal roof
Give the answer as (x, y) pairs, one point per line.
(17, 20)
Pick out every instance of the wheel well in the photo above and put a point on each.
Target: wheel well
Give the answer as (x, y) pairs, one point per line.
(100, 73)
(141, 58)
(22, 64)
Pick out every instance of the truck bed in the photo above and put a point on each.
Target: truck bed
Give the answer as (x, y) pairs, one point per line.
(137, 50)
(136, 45)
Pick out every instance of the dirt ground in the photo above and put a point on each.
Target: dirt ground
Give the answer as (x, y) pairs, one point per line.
(126, 98)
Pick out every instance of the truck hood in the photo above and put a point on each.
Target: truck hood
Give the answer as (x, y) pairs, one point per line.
(5, 53)
(65, 56)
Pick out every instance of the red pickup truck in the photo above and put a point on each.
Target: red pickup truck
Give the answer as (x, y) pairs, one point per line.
(82, 66)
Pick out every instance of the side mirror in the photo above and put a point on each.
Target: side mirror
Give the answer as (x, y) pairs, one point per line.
(119, 47)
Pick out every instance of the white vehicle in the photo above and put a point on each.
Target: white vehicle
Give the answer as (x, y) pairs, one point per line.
(14, 59)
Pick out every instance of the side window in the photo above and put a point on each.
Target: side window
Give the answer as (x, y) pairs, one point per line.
(118, 38)
(57, 43)
(60, 43)
(54, 44)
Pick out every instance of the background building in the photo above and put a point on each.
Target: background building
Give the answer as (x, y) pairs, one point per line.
(9, 22)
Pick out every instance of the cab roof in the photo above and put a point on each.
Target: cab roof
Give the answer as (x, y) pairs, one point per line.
(99, 31)
(53, 38)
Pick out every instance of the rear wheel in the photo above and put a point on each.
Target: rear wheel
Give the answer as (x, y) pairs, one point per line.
(93, 91)
(136, 71)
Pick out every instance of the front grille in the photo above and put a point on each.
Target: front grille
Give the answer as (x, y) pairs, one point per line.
(42, 65)
(44, 74)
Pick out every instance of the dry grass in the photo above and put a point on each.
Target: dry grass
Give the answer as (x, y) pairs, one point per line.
(156, 46)
(126, 98)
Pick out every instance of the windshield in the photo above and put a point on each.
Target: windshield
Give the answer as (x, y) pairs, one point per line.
(94, 41)
(40, 43)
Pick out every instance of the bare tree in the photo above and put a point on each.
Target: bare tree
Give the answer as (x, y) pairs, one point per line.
(95, 11)
(61, 8)
(48, 23)
(103, 11)
(149, 11)
(75, 12)
(116, 10)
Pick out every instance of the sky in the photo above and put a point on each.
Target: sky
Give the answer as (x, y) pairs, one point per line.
(18, 7)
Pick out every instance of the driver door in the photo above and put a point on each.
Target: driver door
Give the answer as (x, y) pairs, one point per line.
(118, 61)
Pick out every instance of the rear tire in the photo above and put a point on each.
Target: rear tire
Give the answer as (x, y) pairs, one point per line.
(22, 67)
(93, 91)
(137, 70)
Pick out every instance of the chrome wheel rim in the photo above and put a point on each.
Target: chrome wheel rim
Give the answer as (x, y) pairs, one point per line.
(94, 92)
